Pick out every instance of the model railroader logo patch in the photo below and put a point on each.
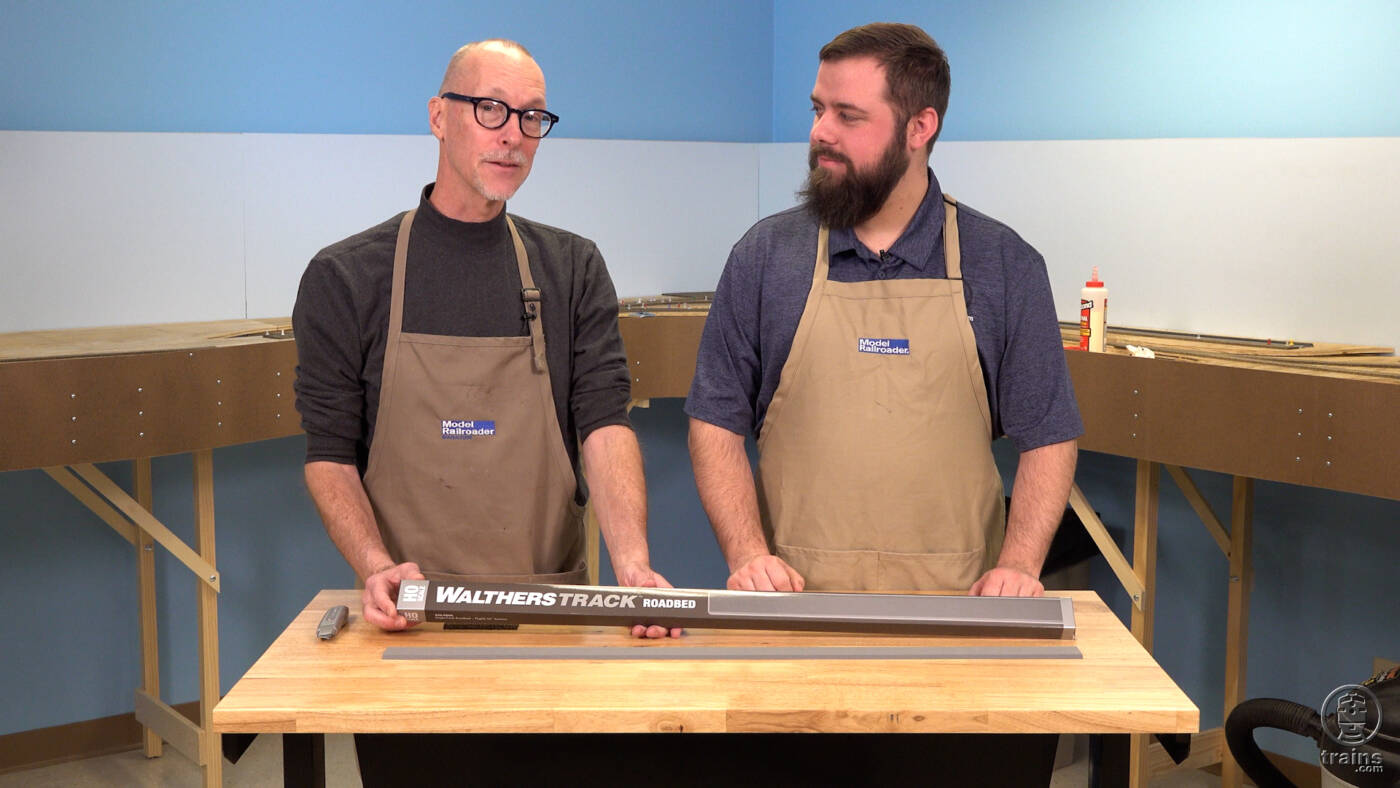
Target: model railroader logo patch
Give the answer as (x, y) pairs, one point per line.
(884, 347)
(460, 429)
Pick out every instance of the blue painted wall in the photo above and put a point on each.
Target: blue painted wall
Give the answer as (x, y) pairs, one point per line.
(616, 69)
(71, 648)
(1100, 69)
(1326, 596)
(1085, 70)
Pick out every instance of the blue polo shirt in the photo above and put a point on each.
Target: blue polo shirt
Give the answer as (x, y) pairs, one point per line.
(763, 290)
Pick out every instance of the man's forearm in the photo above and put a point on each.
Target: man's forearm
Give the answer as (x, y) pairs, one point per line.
(1043, 479)
(725, 482)
(612, 459)
(346, 512)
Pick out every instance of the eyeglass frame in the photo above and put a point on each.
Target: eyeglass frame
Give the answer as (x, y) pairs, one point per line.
(475, 101)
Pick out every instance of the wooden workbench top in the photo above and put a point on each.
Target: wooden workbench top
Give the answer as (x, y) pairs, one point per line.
(121, 392)
(153, 338)
(304, 685)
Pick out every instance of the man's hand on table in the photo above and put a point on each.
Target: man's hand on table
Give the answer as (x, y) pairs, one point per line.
(1007, 581)
(643, 576)
(381, 591)
(765, 572)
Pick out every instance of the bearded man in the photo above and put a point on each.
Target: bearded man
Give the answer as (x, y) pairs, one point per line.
(876, 339)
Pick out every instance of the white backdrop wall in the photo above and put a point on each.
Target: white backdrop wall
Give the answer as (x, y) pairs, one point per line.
(1281, 238)
(176, 227)
(1290, 238)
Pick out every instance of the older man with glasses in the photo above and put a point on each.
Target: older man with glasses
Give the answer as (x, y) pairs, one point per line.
(444, 436)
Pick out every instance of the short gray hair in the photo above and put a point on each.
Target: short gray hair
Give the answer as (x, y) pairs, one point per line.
(461, 55)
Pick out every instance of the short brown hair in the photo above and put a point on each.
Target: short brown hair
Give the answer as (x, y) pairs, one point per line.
(916, 68)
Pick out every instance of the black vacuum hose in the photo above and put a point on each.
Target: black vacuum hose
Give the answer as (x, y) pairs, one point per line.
(1267, 713)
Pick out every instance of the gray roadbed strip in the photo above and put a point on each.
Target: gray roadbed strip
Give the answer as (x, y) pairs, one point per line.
(723, 652)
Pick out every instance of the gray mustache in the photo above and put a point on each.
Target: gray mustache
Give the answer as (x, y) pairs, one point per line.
(505, 157)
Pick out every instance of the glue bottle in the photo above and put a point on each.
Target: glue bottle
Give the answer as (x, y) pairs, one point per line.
(1093, 312)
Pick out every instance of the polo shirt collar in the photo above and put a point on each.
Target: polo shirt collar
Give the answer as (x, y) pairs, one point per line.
(916, 245)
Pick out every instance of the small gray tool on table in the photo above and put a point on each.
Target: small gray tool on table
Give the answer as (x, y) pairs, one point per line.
(332, 622)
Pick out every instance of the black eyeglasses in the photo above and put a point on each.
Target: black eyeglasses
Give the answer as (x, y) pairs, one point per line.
(493, 114)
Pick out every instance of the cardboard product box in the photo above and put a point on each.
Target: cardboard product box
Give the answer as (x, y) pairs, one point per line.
(499, 605)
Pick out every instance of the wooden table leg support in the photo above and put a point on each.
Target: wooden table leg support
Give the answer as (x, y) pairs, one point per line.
(146, 585)
(131, 517)
(1237, 621)
(1149, 487)
(210, 751)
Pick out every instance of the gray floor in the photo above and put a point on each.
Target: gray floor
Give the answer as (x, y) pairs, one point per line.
(261, 765)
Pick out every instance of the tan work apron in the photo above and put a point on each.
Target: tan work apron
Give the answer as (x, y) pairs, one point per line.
(468, 474)
(875, 465)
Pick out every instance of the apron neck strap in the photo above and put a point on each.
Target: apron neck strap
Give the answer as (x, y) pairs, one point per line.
(952, 251)
(400, 265)
(823, 259)
(529, 294)
(529, 298)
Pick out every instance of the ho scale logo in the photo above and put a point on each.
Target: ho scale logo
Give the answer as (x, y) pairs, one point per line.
(416, 592)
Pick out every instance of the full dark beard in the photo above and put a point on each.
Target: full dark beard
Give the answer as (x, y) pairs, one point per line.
(846, 202)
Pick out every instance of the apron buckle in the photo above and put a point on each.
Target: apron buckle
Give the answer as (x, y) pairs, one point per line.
(530, 297)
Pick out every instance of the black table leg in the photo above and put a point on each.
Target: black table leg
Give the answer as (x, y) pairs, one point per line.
(1108, 760)
(304, 760)
(235, 744)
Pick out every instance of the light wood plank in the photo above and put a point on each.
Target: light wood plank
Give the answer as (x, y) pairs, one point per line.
(1368, 368)
(1107, 547)
(94, 502)
(149, 338)
(305, 685)
(1119, 336)
(146, 589)
(170, 725)
(1237, 620)
(202, 569)
(1148, 493)
(212, 756)
(1188, 488)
